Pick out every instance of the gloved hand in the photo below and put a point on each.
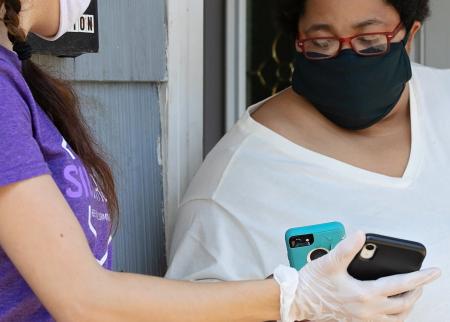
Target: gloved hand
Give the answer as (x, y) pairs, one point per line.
(324, 291)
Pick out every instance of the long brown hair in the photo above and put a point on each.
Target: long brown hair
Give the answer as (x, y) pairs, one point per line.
(59, 101)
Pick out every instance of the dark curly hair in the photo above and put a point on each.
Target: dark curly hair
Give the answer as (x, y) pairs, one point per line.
(290, 11)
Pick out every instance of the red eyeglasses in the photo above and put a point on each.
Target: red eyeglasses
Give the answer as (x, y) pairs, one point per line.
(368, 44)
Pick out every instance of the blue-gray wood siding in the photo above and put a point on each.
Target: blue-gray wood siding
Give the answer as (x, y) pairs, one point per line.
(125, 118)
(119, 94)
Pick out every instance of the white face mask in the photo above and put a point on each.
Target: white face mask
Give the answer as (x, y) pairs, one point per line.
(70, 12)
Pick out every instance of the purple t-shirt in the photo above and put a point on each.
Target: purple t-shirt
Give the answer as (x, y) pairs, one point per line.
(30, 146)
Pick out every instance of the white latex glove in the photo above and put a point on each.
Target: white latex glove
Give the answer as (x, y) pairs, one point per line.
(324, 291)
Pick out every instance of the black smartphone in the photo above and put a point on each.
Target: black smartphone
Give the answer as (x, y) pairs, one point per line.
(383, 256)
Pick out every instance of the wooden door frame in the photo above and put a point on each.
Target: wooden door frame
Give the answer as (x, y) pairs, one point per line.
(182, 104)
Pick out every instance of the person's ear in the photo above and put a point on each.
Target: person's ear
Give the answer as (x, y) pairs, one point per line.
(412, 35)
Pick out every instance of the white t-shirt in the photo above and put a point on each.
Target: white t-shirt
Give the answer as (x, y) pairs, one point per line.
(256, 184)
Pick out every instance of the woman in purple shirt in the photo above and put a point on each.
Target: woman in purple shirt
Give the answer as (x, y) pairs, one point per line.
(58, 208)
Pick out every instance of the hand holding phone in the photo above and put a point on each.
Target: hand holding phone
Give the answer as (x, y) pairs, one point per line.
(325, 290)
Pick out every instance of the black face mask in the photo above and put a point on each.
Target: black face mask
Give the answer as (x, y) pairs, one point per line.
(353, 91)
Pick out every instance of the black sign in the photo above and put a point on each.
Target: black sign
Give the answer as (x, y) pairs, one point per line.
(81, 39)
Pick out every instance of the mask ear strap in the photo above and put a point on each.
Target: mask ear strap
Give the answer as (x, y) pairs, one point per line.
(405, 40)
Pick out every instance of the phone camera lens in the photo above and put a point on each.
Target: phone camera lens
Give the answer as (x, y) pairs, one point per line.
(301, 241)
(317, 253)
(368, 251)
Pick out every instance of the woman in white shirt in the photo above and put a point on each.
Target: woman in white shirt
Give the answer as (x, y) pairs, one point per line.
(361, 137)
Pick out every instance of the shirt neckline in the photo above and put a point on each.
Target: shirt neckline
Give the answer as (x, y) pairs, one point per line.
(348, 170)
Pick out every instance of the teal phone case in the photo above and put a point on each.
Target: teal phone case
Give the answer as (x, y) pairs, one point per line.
(324, 237)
